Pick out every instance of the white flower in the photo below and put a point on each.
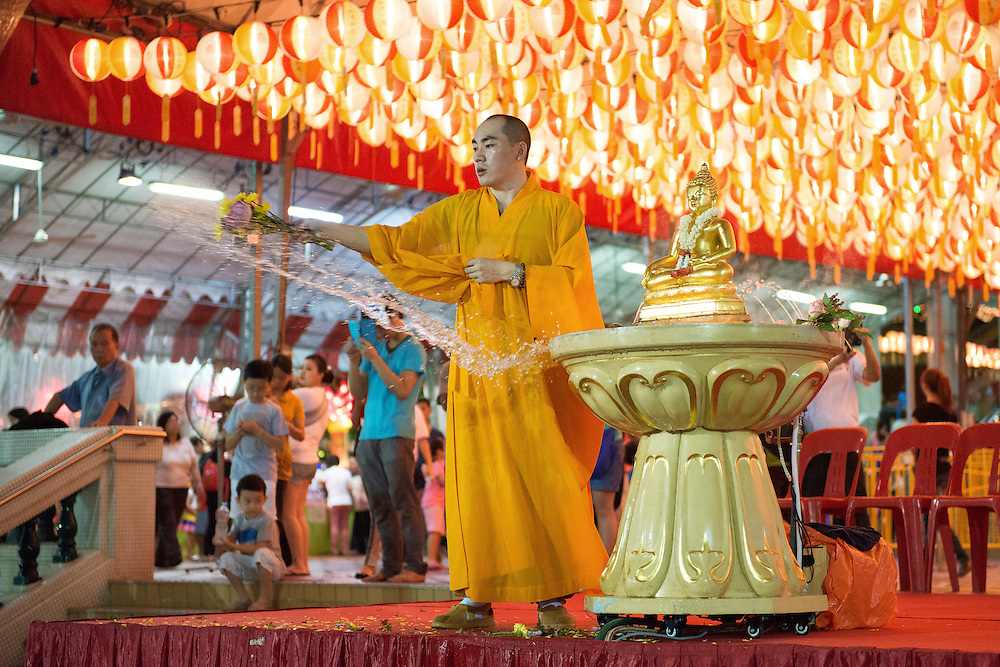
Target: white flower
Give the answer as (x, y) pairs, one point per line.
(843, 323)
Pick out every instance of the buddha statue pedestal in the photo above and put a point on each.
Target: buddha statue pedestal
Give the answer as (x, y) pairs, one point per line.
(701, 533)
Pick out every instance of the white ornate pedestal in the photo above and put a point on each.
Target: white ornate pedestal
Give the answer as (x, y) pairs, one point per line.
(701, 532)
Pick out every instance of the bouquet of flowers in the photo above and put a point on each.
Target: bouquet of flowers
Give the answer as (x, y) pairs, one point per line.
(246, 216)
(830, 314)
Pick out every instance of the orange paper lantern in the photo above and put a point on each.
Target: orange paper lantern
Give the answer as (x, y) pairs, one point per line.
(301, 37)
(89, 60)
(216, 53)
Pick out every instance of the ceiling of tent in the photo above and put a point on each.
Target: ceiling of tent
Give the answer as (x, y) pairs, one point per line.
(105, 232)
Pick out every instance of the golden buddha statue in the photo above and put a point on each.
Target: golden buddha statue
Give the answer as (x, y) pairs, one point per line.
(695, 282)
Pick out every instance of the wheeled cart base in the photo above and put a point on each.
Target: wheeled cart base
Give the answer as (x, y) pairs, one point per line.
(624, 619)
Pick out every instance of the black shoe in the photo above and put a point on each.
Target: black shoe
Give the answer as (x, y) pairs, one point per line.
(963, 566)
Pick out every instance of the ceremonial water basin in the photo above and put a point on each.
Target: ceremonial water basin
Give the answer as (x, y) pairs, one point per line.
(701, 531)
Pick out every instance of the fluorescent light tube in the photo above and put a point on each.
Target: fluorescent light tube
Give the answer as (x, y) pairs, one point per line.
(314, 214)
(797, 297)
(187, 191)
(20, 162)
(634, 267)
(868, 308)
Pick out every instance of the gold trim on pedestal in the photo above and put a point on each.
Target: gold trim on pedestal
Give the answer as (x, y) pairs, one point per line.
(715, 310)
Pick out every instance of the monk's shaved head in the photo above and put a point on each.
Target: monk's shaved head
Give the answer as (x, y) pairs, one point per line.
(514, 129)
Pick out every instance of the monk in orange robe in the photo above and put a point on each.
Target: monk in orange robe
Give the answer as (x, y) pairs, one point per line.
(521, 446)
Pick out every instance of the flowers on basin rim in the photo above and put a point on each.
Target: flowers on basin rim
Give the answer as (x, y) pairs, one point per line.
(830, 314)
(247, 216)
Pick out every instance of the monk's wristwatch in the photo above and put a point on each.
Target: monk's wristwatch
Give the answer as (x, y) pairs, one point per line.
(517, 280)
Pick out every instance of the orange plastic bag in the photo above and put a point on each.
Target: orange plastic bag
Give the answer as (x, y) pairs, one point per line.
(861, 585)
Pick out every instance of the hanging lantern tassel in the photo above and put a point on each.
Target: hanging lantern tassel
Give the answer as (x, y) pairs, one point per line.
(951, 286)
(293, 125)
(217, 130)
(237, 120)
(319, 155)
(329, 128)
(779, 248)
(165, 119)
(986, 292)
(420, 177)
(959, 278)
(652, 224)
(811, 250)
(357, 151)
(126, 109)
(928, 276)
(743, 241)
(836, 273)
(411, 166)
(897, 273)
(638, 217)
(198, 122)
(256, 130)
(92, 109)
(272, 137)
(312, 145)
(394, 154)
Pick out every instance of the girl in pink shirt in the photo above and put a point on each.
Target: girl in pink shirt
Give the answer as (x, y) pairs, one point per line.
(432, 503)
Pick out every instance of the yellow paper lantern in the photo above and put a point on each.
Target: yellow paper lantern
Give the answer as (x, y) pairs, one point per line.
(255, 43)
(125, 58)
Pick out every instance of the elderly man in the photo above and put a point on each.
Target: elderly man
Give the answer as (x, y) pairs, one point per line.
(105, 394)
(514, 258)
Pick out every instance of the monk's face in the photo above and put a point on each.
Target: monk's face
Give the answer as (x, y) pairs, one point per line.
(497, 161)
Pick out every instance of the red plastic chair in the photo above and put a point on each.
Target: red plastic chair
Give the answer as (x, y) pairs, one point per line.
(838, 443)
(978, 508)
(907, 511)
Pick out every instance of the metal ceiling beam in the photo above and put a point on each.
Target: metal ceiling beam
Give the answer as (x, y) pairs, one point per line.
(132, 215)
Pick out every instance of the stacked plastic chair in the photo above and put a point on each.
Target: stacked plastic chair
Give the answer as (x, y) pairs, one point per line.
(978, 508)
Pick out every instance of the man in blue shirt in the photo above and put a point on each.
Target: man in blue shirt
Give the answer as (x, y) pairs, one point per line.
(104, 395)
(388, 376)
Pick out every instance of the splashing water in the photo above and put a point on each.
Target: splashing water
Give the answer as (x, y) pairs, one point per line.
(371, 296)
(763, 304)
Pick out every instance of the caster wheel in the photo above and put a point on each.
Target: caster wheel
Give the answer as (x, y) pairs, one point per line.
(754, 629)
(671, 631)
(614, 629)
(673, 626)
(801, 628)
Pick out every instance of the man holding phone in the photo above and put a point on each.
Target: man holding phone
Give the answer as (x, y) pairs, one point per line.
(388, 373)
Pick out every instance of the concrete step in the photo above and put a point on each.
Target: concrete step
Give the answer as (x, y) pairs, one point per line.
(290, 594)
(125, 612)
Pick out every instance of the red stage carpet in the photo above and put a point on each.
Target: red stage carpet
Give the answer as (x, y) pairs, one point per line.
(931, 630)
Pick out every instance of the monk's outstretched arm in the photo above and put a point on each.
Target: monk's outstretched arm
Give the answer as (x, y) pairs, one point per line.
(349, 236)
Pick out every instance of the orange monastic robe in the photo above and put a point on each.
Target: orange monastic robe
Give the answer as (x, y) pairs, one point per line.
(521, 445)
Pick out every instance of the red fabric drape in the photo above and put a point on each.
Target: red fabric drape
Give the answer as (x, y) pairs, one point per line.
(304, 637)
(330, 347)
(295, 326)
(21, 302)
(75, 325)
(137, 324)
(188, 336)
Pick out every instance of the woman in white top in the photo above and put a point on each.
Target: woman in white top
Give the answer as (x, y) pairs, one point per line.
(305, 457)
(176, 472)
